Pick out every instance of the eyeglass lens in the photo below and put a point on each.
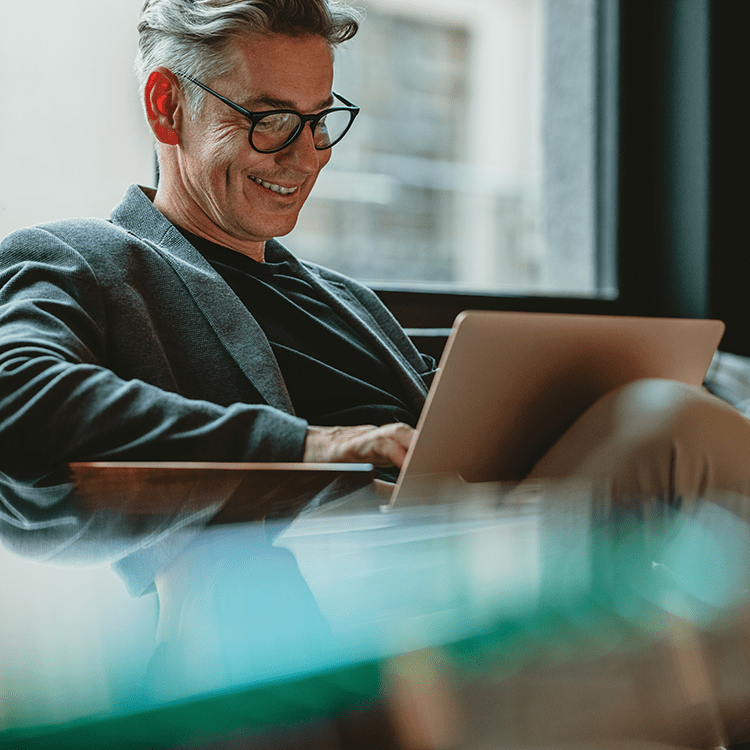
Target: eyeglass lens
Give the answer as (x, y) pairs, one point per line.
(276, 130)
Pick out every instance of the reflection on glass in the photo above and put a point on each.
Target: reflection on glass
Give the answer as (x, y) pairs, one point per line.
(347, 605)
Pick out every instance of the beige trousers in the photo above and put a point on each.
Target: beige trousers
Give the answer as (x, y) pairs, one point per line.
(655, 438)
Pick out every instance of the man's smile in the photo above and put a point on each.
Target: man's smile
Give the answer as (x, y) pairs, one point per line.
(271, 186)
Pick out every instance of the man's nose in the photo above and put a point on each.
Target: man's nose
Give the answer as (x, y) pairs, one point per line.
(301, 154)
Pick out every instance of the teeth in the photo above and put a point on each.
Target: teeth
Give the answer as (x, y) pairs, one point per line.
(275, 188)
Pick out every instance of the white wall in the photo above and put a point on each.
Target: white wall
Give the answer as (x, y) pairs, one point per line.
(72, 137)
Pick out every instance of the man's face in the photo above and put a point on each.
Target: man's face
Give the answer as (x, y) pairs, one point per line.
(222, 174)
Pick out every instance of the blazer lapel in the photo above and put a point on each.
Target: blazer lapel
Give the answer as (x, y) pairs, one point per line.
(357, 316)
(236, 328)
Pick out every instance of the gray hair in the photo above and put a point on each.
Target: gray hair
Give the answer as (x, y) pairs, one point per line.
(192, 36)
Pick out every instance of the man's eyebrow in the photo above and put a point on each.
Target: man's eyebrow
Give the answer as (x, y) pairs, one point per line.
(259, 103)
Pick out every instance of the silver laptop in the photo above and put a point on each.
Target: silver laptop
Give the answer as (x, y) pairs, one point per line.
(509, 385)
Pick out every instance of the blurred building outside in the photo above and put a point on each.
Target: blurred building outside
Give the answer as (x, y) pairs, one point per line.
(472, 162)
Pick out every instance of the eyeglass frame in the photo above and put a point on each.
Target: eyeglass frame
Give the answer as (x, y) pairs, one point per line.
(256, 117)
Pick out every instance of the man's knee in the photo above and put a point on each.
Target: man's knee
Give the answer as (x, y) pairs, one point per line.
(656, 437)
(653, 406)
(684, 417)
(709, 442)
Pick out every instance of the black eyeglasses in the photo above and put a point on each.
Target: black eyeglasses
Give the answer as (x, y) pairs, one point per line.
(275, 129)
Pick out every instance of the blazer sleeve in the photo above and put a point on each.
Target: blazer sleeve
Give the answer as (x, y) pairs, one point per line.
(58, 400)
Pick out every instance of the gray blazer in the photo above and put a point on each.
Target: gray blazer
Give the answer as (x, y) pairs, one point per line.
(118, 341)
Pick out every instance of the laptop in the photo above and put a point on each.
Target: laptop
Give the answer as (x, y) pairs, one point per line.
(509, 385)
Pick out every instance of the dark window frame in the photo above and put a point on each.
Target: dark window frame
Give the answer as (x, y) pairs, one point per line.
(729, 228)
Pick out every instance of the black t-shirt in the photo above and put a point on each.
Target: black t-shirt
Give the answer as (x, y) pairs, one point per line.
(332, 375)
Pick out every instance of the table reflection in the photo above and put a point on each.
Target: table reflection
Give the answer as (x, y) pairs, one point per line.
(506, 615)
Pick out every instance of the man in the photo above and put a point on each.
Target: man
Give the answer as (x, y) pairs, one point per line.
(182, 330)
(215, 185)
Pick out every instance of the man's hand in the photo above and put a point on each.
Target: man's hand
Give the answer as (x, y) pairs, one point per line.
(381, 446)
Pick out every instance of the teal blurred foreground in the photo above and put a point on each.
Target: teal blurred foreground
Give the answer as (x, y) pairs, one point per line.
(536, 618)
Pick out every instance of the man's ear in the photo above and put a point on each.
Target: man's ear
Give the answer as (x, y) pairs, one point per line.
(161, 106)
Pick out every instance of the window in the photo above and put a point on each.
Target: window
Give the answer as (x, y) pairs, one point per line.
(472, 166)
(473, 163)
